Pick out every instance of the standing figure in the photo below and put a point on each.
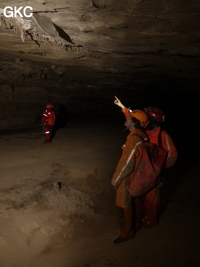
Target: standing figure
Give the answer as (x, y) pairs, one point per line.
(48, 121)
(161, 138)
(156, 135)
(131, 154)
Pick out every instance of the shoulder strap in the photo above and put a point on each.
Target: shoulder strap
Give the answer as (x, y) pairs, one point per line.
(141, 138)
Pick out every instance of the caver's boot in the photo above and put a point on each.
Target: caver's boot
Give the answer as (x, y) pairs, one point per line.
(151, 217)
(126, 226)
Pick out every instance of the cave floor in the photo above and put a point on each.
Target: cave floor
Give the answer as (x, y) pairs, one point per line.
(58, 205)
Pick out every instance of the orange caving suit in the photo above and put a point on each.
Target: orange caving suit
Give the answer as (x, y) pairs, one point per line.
(131, 154)
(48, 119)
(152, 198)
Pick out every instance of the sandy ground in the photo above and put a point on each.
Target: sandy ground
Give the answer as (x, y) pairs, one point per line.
(58, 206)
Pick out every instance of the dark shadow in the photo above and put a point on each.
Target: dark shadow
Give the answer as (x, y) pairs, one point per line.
(62, 119)
(172, 180)
(38, 119)
(182, 124)
(63, 34)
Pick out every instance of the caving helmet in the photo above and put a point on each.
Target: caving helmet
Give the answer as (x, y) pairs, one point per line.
(141, 116)
(155, 113)
(49, 105)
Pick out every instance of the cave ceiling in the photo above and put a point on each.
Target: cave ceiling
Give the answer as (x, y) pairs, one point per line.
(102, 41)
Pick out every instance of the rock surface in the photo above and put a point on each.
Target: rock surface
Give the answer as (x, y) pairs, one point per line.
(58, 205)
(74, 52)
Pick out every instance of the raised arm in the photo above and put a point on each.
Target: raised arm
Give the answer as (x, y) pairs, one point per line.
(118, 103)
(125, 110)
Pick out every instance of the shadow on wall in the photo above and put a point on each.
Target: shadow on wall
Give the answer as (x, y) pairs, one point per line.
(62, 119)
(63, 34)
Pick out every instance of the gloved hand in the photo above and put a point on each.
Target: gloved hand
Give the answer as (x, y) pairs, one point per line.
(118, 103)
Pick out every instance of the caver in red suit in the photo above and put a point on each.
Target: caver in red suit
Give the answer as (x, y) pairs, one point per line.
(48, 121)
(162, 139)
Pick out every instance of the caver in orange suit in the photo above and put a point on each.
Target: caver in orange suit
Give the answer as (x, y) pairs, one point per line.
(151, 200)
(131, 154)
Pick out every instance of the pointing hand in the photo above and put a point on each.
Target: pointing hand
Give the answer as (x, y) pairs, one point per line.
(118, 102)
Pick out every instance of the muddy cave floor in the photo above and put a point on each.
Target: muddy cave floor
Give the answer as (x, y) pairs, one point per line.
(58, 206)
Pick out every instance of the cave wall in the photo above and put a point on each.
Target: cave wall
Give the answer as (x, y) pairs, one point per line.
(79, 54)
(27, 86)
(23, 98)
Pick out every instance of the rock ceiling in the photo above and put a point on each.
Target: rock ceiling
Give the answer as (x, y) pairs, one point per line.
(117, 41)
